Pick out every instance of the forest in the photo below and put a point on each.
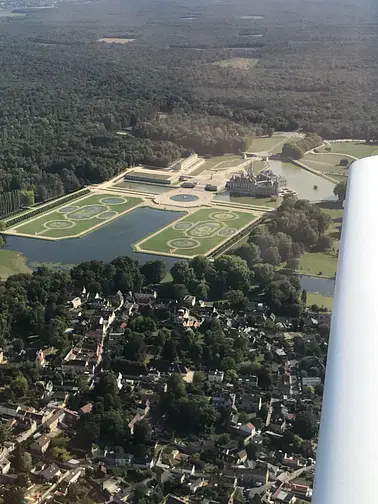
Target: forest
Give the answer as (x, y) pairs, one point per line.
(64, 95)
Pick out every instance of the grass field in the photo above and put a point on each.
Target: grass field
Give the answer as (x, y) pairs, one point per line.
(12, 263)
(249, 200)
(326, 162)
(272, 144)
(356, 149)
(218, 163)
(78, 216)
(237, 63)
(318, 263)
(197, 233)
(312, 263)
(319, 299)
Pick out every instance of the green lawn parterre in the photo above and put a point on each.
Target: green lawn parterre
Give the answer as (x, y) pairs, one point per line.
(77, 216)
(198, 233)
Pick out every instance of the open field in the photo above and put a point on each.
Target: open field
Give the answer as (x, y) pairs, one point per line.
(318, 264)
(111, 40)
(218, 163)
(12, 263)
(312, 263)
(197, 233)
(356, 149)
(77, 217)
(326, 162)
(260, 144)
(249, 200)
(319, 299)
(237, 63)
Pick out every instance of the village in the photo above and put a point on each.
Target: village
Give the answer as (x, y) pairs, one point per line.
(191, 433)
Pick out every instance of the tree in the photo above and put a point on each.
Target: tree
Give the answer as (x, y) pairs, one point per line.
(264, 273)
(199, 265)
(107, 384)
(14, 496)
(325, 242)
(304, 297)
(272, 256)
(22, 460)
(306, 424)
(3, 239)
(201, 290)
(135, 348)
(4, 434)
(293, 263)
(250, 253)
(227, 364)
(236, 298)
(181, 272)
(178, 291)
(176, 385)
(235, 270)
(20, 385)
(60, 453)
(153, 271)
(270, 132)
(142, 432)
(340, 190)
(344, 162)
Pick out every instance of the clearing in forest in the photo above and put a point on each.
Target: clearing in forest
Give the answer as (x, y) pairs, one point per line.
(198, 233)
(238, 63)
(77, 217)
(111, 40)
(266, 144)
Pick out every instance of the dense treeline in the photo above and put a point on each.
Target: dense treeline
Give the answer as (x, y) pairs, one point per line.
(64, 95)
(297, 149)
(202, 134)
(44, 208)
(9, 203)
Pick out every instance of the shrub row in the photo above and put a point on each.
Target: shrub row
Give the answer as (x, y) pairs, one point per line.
(37, 211)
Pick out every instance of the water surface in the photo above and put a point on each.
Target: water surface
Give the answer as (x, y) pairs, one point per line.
(110, 241)
(303, 182)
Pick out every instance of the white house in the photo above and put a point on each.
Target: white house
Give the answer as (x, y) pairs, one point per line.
(216, 376)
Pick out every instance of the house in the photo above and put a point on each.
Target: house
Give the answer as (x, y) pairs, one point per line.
(247, 430)
(248, 475)
(74, 303)
(40, 359)
(84, 410)
(131, 425)
(300, 490)
(189, 301)
(292, 462)
(51, 473)
(40, 445)
(143, 408)
(196, 485)
(283, 497)
(4, 465)
(171, 499)
(143, 298)
(216, 376)
(162, 475)
(224, 400)
(53, 422)
(74, 475)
